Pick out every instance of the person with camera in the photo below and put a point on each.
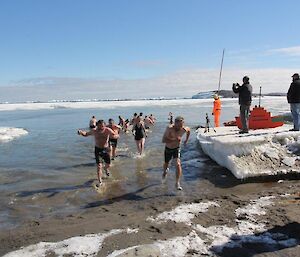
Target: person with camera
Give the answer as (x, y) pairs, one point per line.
(245, 98)
(293, 98)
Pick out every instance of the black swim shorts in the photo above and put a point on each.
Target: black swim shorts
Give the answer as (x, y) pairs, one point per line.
(102, 153)
(171, 153)
(113, 142)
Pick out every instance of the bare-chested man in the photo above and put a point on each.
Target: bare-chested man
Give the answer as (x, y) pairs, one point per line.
(148, 122)
(93, 122)
(172, 138)
(113, 140)
(101, 135)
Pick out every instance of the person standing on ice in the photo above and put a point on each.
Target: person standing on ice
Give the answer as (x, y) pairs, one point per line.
(245, 98)
(293, 98)
(217, 110)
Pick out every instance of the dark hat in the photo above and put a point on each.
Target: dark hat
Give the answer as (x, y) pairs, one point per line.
(295, 75)
(246, 78)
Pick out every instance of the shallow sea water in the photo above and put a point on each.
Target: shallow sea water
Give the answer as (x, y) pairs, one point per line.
(51, 170)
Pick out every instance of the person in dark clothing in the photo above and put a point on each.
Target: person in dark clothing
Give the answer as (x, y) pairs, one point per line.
(245, 98)
(139, 133)
(293, 98)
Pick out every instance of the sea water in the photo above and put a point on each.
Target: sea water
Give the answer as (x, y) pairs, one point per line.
(49, 170)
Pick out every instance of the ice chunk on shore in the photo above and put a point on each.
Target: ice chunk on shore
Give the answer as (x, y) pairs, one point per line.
(259, 153)
(8, 134)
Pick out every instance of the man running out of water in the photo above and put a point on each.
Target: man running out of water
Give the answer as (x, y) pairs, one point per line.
(172, 138)
(113, 140)
(101, 135)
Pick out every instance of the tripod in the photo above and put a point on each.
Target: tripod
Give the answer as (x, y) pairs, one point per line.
(207, 124)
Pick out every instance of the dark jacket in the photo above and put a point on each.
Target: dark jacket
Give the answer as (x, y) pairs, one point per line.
(245, 93)
(293, 95)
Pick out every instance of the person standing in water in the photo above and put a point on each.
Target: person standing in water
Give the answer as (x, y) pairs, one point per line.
(217, 110)
(113, 140)
(172, 139)
(101, 135)
(93, 122)
(170, 118)
(139, 133)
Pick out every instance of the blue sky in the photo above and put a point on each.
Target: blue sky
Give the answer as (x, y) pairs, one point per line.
(136, 39)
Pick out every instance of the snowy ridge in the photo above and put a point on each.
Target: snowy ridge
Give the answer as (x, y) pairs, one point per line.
(8, 134)
(261, 152)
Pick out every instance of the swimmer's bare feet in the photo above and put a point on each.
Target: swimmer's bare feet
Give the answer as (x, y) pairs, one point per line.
(107, 172)
(164, 175)
(99, 184)
(178, 187)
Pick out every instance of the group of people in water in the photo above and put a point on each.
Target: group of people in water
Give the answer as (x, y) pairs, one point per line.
(107, 135)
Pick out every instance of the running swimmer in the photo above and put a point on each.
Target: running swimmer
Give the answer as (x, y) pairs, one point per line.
(172, 138)
(139, 133)
(148, 122)
(101, 135)
(113, 140)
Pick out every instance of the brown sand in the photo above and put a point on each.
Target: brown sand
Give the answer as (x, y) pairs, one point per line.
(132, 211)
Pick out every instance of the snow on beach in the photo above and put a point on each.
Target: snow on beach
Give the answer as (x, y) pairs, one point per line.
(250, 227)
(87, 245)
(8, 134)
(261, 152)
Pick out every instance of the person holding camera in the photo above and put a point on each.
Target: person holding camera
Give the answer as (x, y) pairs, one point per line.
(245, 98)
(293, 97)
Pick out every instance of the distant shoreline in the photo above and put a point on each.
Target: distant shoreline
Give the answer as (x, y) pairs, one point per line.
(201, 95)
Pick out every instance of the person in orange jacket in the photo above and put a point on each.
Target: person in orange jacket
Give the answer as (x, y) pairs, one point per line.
(217, 110)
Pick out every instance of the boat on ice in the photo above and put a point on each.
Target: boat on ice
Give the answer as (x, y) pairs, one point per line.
(259, 118)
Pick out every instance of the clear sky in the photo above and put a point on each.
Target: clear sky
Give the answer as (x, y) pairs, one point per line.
(145, 40)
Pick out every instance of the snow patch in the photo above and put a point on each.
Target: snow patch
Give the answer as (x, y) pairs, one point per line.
(183, 213)
(88, 245)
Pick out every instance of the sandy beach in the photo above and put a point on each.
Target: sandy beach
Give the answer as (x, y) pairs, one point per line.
(132, 211)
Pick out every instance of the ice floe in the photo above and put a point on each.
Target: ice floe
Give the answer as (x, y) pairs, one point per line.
(259, 153)
(8, 134)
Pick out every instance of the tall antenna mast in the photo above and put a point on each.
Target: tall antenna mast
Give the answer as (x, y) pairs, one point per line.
(220, 76)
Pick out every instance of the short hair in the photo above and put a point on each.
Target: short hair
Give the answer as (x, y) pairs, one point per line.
(100, 122)
(179, 118)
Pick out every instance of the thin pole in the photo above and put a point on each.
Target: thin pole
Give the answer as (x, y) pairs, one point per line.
(259, 96)
(221, 70)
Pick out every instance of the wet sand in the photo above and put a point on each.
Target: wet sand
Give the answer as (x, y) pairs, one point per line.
(131, 210)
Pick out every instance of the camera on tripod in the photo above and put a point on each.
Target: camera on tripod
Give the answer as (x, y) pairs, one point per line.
(207, 124)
